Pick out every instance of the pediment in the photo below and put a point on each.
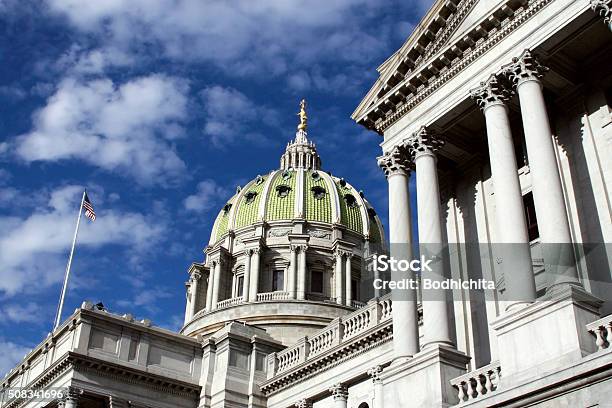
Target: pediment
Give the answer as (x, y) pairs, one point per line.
(447, 23)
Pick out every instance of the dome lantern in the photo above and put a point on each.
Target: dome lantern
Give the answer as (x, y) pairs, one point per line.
(301, 153)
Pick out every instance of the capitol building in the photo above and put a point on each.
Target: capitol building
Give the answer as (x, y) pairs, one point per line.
(501, 110)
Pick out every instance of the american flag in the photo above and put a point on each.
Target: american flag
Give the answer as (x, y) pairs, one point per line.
(89, 211)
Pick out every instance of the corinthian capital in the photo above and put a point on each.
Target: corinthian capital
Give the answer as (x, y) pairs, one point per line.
(303, 403)
(424, 141)
(396, 161)
(339, 392)
(604, 9)
(526, 67)
(375, 373)
(491, 92)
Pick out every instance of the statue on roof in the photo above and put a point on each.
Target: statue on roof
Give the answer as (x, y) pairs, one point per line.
(302, 115)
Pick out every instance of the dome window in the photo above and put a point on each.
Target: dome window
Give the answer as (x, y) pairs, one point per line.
(371, 212)
(250, 196)
(318, 192)
(283, 190)
(286, 175)
(350, 199)
(226, 208)
(343, 182)
(259, 180)
(316, 176)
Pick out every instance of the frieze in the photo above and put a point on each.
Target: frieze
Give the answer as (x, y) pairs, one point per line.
(320, 234)
(279, 232)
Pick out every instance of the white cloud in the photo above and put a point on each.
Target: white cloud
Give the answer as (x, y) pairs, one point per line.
(207, 196)
(33, 248)
(126, 128)
(268, 36)
(79, 61)
(228, 114)
(22, 313)
(12, 354)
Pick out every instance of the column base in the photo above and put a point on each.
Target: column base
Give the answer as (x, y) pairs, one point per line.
(547, 333)
(424, 379)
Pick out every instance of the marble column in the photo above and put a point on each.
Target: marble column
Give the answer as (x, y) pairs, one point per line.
(548, 197)
(209, 289)
(188, 303)
(254, 278)
(377, 383)
(348, 270)
(340, 394)
(292, 278)
(512, 243)
(436, 320)
(339, 277)
(246, 283)
(301, 284)
(396, 166)
(195, 281)
(604, 9)
(216, 282)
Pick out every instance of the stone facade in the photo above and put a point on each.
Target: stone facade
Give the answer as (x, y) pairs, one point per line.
(503, 109)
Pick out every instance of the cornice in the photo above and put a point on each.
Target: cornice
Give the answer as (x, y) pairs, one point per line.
(404, 96)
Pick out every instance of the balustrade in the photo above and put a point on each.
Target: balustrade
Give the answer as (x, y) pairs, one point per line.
(478, 383)
(602, 331)
(335, 334)
(229, 302)
(268, 296)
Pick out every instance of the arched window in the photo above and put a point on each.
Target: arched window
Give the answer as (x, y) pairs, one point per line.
(363, 405)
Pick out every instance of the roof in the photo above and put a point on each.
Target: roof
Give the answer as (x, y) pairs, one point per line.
(306, 194)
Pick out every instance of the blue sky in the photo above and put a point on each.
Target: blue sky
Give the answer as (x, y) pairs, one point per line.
(161, 109)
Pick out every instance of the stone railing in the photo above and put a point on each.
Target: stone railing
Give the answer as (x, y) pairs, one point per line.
(335, 334)
(602, 331)
(263, 297)
(356, 304)
(229, 302)
(478, 383)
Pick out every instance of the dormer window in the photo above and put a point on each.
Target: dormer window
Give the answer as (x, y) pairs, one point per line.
(283, 190)
(343, 182)
(371, 212)
(316, 176)
(286, 175)
(259, 180)
(318, 192)
(350, 199)
(250, 196)
(226, 208)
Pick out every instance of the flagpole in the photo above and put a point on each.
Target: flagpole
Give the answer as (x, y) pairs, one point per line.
(58, 315)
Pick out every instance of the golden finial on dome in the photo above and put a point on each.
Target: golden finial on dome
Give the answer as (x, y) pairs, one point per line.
(302, 115)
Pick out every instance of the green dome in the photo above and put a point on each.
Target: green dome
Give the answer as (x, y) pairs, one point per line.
(299, 190)
(308, 194)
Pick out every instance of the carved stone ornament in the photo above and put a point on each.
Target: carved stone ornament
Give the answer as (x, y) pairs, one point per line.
(604, 9)
(375, 373)
(320, 234)
(339, 392)
(424, 141)
(279, 232)
(395, 161)
(303, 403)
(526, 67)
(491, 92)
